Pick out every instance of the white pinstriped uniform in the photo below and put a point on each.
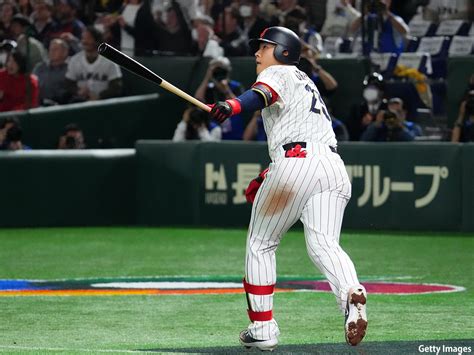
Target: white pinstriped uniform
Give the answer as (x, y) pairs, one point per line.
(314, 189)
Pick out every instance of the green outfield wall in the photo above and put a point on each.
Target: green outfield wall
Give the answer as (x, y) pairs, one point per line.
(67, 188)
(395, 186)
(420, 186)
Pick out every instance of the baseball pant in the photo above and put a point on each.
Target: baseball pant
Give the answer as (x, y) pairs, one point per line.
(314, 189)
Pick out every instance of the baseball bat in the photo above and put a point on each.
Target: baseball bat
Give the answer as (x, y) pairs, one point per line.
(136, 68)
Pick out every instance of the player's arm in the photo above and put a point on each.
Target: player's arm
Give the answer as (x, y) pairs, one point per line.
(259, 96)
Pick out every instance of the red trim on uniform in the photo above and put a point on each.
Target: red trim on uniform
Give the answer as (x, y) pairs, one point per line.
(258, 290)
(235, 104)
(260, 316)
(274, 93)
(296, 152)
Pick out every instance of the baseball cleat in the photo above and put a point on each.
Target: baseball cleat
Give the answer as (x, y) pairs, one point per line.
(356, 316)
(263, 345)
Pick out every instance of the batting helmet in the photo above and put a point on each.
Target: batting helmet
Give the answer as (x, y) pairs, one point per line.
(284, 39)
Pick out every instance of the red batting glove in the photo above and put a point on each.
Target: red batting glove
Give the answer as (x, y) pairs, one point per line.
(254, 186)
(222, 110)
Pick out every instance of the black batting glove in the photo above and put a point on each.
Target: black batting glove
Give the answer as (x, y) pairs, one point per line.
(221, 111)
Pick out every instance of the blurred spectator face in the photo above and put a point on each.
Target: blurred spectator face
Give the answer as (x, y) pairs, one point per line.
(171, 19)
(285, 5)
(12, 66)
(64, 11)
(42, 11)
(203, 33)
(17, 29)
(248, 8)
(6, 12)
(88, 42)
(58, 52)
(230, 22)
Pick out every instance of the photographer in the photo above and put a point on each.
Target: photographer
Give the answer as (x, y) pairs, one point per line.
(463, 130)
(388, 127)
(217, 86)
(73, 138)
(385, 30)
(196, 125)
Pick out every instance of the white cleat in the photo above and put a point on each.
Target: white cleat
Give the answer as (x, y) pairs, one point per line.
(356, 315)
(263, 345)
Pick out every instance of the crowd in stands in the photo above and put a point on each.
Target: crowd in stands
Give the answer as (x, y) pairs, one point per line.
(48, 55)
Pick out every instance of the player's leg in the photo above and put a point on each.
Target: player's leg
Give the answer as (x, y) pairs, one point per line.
(322, 219)
(277, 206)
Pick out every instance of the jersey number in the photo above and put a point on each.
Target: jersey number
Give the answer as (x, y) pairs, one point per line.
(315, 101)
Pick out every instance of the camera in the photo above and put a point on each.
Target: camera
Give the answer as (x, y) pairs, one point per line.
(220, 74)
(391, 119)
(70, 142)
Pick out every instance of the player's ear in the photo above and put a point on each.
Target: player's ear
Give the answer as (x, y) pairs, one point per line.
(286, 53)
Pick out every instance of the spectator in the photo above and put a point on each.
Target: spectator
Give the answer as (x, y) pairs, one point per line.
(18, 89)
(43, 21)
(253, 22)
(463, 130)
(98, 8)
(21, 29)
(133, 27)
(174, 35)
(217, 86)
(90, 76)
(373, 101)
(189, 8)
(296, 20)
(5, 125)
(233, 41)
(7, 11)
(340, 14)
(324, 81)
(6, 46)
(68, 26)
(72, 138)
(381, 23)
(196, 125)
(388, 127)
(206, 42)
(13, 139)
(395, 105)
(52, 74)
(25, 8)
(284, 7)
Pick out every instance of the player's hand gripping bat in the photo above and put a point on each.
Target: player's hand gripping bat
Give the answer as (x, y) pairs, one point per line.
(133, 66)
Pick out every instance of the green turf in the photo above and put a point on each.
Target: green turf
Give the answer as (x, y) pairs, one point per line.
(200, 321)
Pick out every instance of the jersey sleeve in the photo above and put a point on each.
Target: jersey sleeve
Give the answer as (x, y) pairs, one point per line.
(276, 79)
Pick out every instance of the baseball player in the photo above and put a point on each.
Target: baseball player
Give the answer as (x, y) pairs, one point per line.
(306, 180)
